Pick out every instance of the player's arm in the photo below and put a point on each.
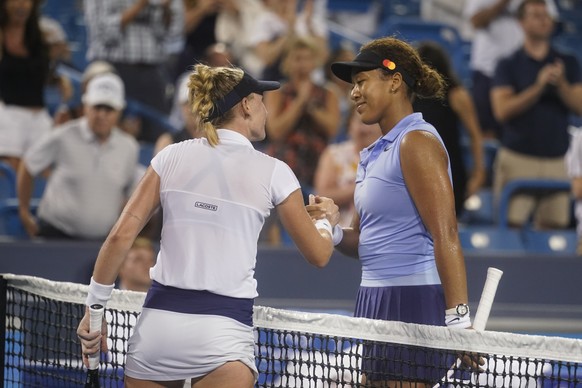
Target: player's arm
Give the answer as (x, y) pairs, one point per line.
(313, 243)
(424, 167)
(136, 213)
(350, 241)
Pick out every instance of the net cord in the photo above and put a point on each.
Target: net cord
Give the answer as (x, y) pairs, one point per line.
(489, 342)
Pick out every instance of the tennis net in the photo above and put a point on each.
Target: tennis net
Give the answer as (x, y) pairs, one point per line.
(293, 349)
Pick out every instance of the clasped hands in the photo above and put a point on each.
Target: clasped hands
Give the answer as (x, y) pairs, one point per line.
(323, 207)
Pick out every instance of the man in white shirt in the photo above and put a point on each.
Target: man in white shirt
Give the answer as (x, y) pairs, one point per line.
(92, 166)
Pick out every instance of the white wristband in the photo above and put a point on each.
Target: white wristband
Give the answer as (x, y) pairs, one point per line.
(454, 321)
(325, 225)
(338, 235)
(98, 293)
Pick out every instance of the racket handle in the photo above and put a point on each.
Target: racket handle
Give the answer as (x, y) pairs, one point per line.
(95, 322)
(487, 296)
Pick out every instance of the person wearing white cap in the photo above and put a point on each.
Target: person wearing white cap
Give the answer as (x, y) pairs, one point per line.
(93, 165)
(216, 193)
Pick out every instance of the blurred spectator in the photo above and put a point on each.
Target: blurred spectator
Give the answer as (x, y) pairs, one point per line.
(56, 38)
(449, 12)
(497, 34)
(280, 24)
(134, 274)
(130, 34)
(24, 73)
(534, 91)
(344, 53)
(335, 176)
(93, 166)
(74, 111)
(190, 129)
(234, 28)
(574, 168)
(216, 55)
(303, 116)
(200, 21)
(447, 115)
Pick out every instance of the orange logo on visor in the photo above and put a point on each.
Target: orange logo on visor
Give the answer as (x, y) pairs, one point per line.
(387, 63)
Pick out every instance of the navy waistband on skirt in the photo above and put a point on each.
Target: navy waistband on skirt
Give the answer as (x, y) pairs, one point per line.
(179, 300)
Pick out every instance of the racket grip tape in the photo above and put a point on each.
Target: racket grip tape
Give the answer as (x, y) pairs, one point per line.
(487, 296)
(95, 321)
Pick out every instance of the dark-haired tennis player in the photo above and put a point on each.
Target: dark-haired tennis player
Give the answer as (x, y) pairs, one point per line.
(215, 193)
(404, 231)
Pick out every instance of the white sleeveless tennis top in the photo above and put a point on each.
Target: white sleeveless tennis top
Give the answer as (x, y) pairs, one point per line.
(215, 201)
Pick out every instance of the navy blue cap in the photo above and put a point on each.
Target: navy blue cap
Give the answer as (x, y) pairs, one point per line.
(246, 86)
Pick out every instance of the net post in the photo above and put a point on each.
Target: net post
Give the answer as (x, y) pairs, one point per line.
(3, 301)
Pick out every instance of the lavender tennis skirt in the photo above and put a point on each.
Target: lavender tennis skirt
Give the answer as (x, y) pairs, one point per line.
(413, 304)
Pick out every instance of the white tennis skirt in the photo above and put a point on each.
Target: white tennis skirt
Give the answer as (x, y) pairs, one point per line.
(166, 345)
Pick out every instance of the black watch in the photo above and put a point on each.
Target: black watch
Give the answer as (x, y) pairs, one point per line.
(461, 310)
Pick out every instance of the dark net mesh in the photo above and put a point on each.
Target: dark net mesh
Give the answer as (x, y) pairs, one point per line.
(41, 349)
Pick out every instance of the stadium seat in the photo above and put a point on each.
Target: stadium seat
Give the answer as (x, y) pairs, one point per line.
(349, 5)
(7, 181)
(556, 241)
(414, 30)
(479, 209)
(146, 153)
(490, 239)
(10, 224)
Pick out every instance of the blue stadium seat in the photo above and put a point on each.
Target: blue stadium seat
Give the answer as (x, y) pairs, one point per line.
(479, 209)
(349, 5)
(10, 224)
(146, 153)
(555, 241)
(7, 181)
(490, 239)
(414, 30)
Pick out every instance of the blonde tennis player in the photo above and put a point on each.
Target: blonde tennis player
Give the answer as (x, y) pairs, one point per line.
(215, 192)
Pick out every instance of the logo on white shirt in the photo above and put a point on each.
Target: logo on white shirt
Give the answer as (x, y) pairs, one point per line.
(206, 206)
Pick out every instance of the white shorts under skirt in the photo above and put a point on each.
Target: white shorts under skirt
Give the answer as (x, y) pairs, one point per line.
(167, 346)
(20, 127)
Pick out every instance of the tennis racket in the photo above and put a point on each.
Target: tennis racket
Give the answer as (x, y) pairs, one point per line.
(95, 322)
(482, 314)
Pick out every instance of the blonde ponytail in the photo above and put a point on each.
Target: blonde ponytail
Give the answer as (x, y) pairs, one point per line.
(206, 86)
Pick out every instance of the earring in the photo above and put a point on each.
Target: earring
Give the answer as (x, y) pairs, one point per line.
(393, 91)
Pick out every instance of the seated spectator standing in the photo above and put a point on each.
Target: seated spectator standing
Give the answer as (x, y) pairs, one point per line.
(447, 115)
(134, 274)
(93, 166)
(535, 90)
(131, 35)
(24, 73)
